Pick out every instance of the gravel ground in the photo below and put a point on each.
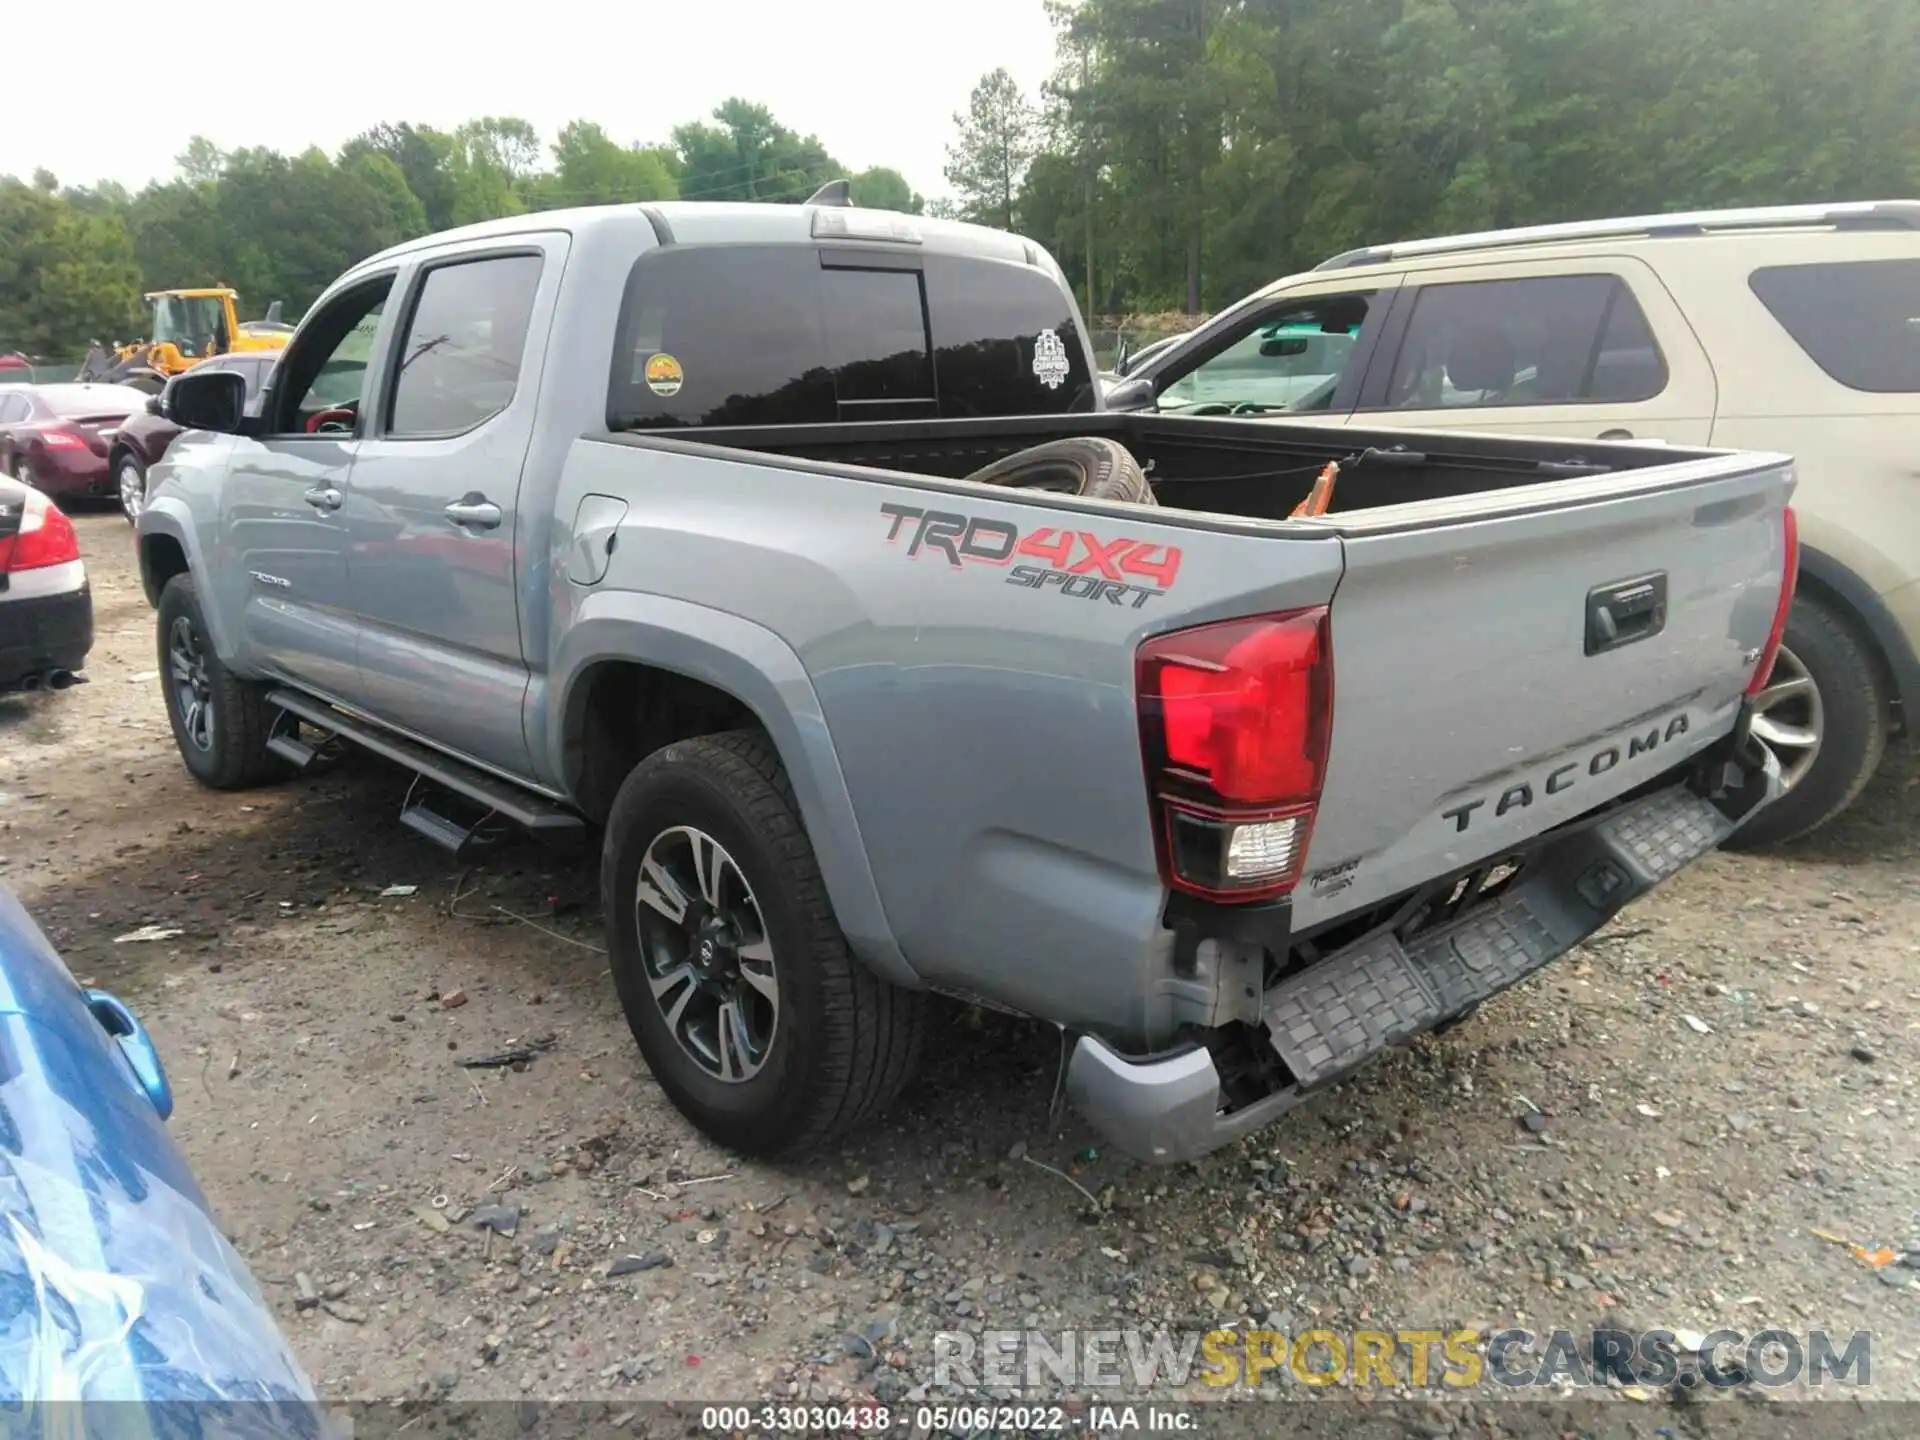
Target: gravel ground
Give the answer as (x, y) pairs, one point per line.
(1644, 1135)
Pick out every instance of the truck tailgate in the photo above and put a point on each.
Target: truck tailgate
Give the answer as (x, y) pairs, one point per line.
(1505, 663)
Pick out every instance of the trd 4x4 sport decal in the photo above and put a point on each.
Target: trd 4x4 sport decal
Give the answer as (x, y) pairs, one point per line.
(1074, 563)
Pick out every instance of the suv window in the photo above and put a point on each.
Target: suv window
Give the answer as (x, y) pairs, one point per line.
(12, 408)
(1857, 320)
(765, 335)
(1550, 340)
(461, 358)
(1293, 359)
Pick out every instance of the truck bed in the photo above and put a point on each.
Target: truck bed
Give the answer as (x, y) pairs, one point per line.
(1244, 469)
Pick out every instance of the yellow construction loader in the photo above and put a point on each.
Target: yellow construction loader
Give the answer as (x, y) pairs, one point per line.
(187, 326)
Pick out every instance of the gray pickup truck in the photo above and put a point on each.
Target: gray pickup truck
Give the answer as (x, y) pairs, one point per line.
(694, 528)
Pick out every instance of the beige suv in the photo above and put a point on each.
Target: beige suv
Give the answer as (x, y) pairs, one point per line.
(1794, 329)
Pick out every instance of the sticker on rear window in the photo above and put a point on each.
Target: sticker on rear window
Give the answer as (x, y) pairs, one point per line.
(664, 376)
(1050, 359)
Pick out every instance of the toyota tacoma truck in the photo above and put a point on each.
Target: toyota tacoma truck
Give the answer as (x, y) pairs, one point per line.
(787, 554)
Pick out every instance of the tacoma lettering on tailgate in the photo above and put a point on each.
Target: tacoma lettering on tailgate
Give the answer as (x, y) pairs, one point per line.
(1074, 563)
(1521, 793)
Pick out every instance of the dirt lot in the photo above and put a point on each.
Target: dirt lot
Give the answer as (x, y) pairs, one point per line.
(1644, 1135)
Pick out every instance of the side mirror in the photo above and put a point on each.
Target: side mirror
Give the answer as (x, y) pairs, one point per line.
(153, 406)
(214, 400)
(1128, 395)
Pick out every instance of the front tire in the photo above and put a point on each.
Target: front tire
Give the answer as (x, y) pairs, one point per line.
(131, 476)
(220, 722)
(751, 1012)
(1824, 714)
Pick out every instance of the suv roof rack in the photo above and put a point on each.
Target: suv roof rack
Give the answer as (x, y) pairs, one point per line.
(1864, 215)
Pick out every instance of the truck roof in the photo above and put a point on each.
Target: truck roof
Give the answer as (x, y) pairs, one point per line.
(711, 222)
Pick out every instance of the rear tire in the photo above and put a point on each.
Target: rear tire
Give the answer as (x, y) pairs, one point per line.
(220, 722)
(1827, 723)
(838, 1043)
(1083, 465)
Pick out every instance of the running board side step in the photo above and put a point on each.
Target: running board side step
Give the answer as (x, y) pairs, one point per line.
(493, 797)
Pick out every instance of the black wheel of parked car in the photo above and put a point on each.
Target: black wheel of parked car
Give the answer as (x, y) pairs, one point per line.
(1824, 716)
(131, 477)
(1083, 465)
(220, 722)
(751, 1012)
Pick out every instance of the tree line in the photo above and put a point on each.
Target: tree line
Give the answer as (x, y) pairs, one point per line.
(1185, 152)
(74, 261)
(1181, 153)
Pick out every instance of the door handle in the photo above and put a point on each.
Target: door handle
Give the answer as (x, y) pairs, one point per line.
(1614, 435)
(476, 510)
(324, 497)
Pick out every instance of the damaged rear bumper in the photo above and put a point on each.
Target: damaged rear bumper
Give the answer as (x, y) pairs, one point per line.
(1328, 1020)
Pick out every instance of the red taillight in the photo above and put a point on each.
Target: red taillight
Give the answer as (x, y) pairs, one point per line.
(62, 440)
(45, 538)
(1763, 672)
(1234, 723)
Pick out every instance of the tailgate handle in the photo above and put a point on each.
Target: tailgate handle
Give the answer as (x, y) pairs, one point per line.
(1625, 611)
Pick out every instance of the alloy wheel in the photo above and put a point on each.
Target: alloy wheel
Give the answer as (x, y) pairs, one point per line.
(706, 953)
(1789, 718)
(133, 488)
(192, 690)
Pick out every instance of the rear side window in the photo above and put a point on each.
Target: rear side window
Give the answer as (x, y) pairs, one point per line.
(460, 360)
(1551, 340)
(1857, 320)
(767, 335)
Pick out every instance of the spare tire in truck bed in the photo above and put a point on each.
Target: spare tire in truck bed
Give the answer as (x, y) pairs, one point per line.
(1085, 465)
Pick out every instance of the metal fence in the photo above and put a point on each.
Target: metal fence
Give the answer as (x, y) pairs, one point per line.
(40, 374)
(1106, 333)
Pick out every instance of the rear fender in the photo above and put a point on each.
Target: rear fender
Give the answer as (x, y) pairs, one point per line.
(758, 668)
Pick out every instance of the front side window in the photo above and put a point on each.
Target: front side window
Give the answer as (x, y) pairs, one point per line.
(1550, 340)
(1857, 320)
(1294, 358)
(322, 378)
(461, 357)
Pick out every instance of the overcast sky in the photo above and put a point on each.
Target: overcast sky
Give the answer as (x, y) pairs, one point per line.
(106, 89)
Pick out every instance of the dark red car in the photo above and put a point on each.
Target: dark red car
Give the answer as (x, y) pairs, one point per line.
(56, 438)
(146, 435)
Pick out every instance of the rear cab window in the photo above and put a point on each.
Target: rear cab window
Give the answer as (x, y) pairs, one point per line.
(748, 335)
(1858, 320)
